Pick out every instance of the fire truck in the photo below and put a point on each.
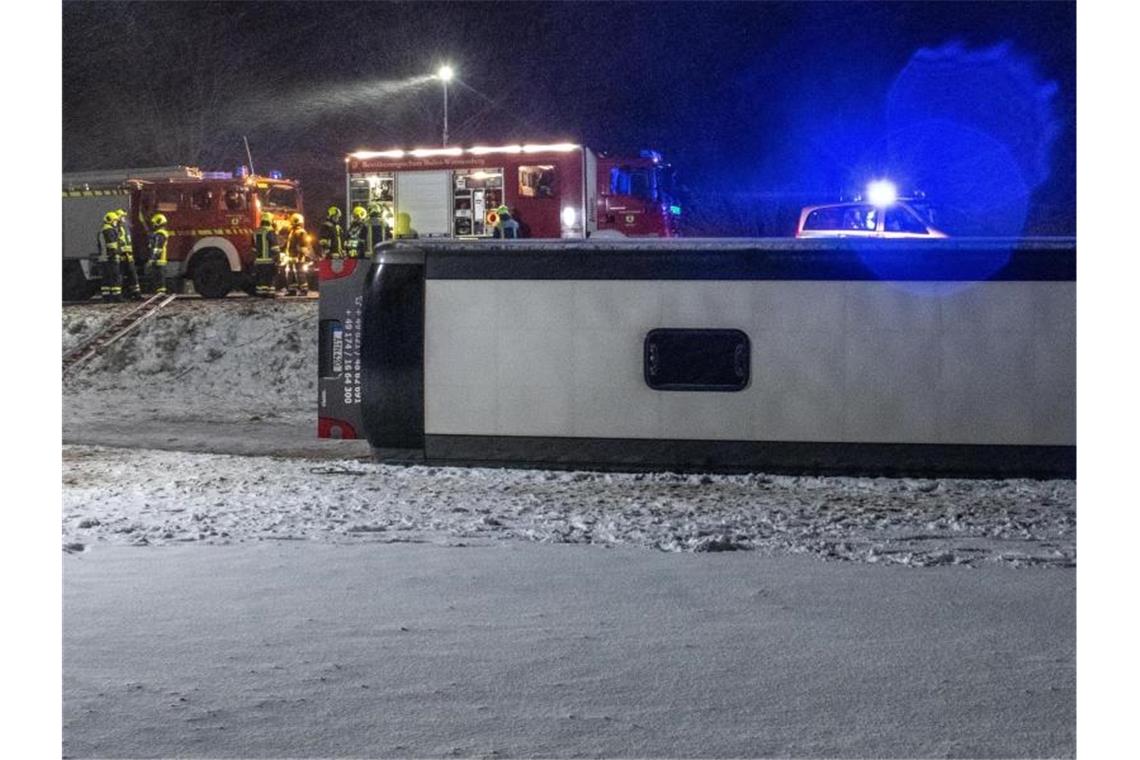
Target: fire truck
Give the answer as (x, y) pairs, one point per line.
(211, 216)
(560, 190)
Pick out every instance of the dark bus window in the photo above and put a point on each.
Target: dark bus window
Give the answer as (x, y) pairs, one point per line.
(697, 360)
(898, 219)
(235, 198)
(203, 199)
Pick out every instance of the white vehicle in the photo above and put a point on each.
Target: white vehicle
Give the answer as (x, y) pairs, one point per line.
(880, 213)
(901, 220)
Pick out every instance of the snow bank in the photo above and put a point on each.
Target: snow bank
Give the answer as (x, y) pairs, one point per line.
(146, 497)
(196, 360)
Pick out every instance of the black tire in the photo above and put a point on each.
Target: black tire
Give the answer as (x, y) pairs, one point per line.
(212, 276)
(76, 286)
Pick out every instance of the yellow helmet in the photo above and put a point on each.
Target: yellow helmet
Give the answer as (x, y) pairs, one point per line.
(158, 220)
(110, 217)
(359, 213)
(334, 212)
(297, 220)
(267, 219)
(121, 213)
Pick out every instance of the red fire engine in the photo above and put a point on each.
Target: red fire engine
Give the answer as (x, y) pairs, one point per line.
(211, 216)
(561, 190)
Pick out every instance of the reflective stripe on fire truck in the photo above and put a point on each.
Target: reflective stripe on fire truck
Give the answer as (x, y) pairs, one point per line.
(90, 193)
(224, 232)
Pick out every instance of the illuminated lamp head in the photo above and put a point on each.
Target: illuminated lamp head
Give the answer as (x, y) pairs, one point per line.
(882, 193)
(446, 73)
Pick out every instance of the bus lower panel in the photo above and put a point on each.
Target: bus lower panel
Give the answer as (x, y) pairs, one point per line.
(864, 459)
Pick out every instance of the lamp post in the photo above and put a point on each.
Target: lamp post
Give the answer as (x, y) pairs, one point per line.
(445, 74)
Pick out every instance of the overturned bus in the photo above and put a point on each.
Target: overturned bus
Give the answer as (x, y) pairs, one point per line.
(940, 357)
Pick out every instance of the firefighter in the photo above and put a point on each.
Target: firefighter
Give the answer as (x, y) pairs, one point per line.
(130, 276)
(297, 257)
(266, 252)
(377, 231)
(354, 238)
(112, 285)
(505, 226)
(332, 236)
(159, 236)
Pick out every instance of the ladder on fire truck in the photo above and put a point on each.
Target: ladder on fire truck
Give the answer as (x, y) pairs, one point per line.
(116, 329)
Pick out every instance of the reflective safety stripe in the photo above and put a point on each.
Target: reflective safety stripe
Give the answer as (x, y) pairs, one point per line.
(226, 232)
(91, 193)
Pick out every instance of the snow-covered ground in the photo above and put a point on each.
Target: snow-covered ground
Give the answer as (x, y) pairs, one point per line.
(238, 359)
(234, 587)
(157, 497)
(289, 649)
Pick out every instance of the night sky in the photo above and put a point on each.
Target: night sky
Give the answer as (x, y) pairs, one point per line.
(755, 104)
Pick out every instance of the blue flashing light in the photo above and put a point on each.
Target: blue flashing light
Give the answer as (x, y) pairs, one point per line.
(241, 172)
(275, 174)
(882, 193)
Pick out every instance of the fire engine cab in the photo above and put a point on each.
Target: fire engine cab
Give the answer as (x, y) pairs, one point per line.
(560, 190)
(211, 216)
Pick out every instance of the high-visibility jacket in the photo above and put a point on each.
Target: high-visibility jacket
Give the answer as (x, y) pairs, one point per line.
(331, 239)
(376, 232)
(108, 242)
(266, 249)
(353, 239)
(296, 244)
(158, 240)
(126, 249)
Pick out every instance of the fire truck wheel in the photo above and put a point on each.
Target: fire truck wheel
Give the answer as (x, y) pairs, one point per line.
(76, 286)
(212, 277)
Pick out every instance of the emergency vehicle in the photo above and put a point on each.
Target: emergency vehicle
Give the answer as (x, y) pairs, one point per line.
(211, 216)
(879, 212)
(560, 190)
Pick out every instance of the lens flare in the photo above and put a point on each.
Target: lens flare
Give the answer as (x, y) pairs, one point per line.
(882, 193)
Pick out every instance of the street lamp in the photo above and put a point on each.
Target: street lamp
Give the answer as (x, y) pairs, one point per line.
(445, 74)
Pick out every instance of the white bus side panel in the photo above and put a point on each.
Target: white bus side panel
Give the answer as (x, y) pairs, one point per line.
(837, 361)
